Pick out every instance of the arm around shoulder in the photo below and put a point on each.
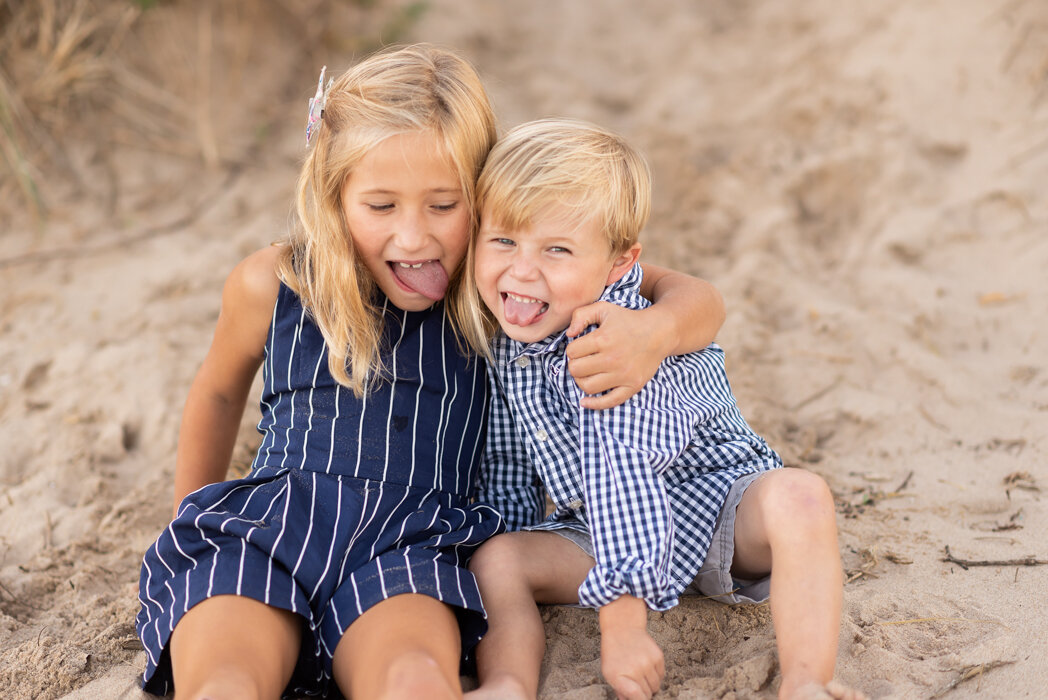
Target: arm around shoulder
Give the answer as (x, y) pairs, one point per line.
(691, 309)
(626, 350)
(216, 399)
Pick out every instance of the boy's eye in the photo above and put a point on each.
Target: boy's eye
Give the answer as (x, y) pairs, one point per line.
(559, 249)
(504, 241)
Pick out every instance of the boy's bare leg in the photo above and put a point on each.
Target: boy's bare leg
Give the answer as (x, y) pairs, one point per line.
(234, 647)
(786, 524)
(514, 571)
(407, 646)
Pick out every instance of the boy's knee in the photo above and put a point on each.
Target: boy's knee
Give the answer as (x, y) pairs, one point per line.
(501, 554)
(800, 499)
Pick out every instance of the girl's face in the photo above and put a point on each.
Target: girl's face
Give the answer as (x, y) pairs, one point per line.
(408, 218)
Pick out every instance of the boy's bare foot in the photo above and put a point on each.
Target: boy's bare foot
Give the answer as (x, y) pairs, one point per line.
(831, 691)
(504, 688)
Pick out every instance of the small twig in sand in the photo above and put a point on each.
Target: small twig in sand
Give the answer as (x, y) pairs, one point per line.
(905, 482)
(7, 590)
(818, 394)
(969, 673)
(928, 417)
(965, 563)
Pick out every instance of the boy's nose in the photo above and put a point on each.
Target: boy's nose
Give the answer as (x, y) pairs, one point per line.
(524, 267)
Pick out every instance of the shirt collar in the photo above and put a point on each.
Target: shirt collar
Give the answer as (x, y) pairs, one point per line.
(626, 286)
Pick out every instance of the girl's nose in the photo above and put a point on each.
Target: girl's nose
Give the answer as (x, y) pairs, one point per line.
(410, 233)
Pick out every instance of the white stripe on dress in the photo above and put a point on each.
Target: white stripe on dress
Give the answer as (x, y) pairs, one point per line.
(392, 393)
(438, 472)
(309, 531)
(273, 551)
(331, 549)
(334, 424)
(290, 363)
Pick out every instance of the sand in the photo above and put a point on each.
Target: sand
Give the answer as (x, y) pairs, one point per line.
(864, 182)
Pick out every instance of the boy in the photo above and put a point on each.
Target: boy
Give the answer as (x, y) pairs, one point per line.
(669, 493)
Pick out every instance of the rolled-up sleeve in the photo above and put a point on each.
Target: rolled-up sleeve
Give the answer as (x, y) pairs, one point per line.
(624, 449)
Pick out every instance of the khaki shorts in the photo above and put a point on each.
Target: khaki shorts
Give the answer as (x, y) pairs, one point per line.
(714, 579)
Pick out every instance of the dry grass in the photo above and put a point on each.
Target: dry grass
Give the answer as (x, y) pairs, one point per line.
(161, 76)
(56, 56)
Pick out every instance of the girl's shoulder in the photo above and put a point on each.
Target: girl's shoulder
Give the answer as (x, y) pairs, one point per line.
(255, 282)
(248, 298)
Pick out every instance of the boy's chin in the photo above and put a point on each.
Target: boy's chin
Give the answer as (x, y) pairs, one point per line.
(522, 334)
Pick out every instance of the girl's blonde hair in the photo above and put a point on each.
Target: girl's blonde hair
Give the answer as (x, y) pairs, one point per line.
(396, 91)
(590, 172)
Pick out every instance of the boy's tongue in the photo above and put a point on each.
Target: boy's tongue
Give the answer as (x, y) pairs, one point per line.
(430, 280)
(521, 313)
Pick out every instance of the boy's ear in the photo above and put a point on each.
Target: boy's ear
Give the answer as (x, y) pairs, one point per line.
(622, 264)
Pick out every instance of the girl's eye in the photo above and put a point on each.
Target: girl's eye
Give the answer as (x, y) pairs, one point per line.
(379, 207)
(504, 241)
(446, 207)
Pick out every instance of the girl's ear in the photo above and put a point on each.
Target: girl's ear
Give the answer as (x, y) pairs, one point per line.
(622, 264)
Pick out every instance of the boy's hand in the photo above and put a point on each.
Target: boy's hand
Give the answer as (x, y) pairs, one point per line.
(618, 357)
(630, 660)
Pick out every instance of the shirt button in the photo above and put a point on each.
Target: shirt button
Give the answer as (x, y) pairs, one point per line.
(523, 361)
(575, 505)
(542, 435)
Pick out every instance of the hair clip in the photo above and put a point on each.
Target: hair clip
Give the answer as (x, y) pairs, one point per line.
(316, 105)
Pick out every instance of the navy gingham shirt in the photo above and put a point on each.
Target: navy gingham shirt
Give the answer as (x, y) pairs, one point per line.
(648, 478)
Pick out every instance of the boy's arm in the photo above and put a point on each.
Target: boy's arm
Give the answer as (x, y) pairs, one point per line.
(627, 507)
(622, 354)
(622, 451)
(631, 661)
(507, 480)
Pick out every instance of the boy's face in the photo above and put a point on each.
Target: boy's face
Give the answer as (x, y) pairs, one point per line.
(533, 279)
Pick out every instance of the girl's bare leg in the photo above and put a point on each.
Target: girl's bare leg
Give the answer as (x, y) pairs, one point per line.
(514, 571)
(231, 647)
(786, 524)
(407, 646)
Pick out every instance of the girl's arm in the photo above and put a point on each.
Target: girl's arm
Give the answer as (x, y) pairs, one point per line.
(215, 404)
(622, 354)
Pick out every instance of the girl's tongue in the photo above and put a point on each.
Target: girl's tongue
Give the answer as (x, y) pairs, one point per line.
(428, 279)
(522, 313)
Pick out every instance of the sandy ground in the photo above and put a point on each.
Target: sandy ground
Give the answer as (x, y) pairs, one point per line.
(860, 180)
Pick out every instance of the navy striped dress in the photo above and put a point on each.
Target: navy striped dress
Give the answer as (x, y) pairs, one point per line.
(349, 501)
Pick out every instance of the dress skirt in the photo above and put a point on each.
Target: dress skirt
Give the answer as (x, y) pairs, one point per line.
(327, 547)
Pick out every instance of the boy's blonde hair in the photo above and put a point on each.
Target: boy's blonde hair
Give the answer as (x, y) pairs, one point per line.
(410, 89)
(592, 172)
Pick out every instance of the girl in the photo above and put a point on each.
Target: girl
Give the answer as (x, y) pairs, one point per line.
(342, 554)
